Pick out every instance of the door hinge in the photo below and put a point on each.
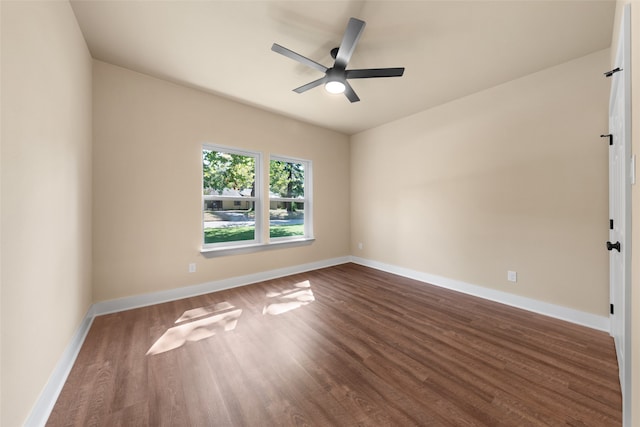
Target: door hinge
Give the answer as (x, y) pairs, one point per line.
(608, 135)
(610, 224)
(611, 308)
(612, 72)
(612, 246)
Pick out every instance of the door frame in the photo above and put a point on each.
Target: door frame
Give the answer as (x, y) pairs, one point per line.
(621, 292)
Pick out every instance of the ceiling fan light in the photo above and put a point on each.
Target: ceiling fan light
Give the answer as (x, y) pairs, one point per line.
(334, 86)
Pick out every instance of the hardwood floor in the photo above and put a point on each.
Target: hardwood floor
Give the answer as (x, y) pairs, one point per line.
(341, 346)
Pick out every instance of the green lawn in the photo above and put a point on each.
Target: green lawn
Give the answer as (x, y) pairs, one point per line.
(232, 234)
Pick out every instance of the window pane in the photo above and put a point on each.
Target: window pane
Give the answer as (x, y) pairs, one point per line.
(285, 222)
(228, 216)
(227, 174)
(286, 181)
(224, 222)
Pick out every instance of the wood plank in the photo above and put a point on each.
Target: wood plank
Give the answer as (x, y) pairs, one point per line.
(346, 345)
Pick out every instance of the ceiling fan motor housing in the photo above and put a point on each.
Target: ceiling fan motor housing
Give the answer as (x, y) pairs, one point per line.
(336, 74)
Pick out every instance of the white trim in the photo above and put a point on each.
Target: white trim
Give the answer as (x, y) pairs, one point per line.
(621, 291)
(593, 321)
(279, 242)
(128, 303)
(44, 405)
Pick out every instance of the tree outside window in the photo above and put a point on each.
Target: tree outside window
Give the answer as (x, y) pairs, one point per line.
(287, 198)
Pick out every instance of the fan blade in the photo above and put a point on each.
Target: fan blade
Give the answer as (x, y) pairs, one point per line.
(297, 57)
(349, 41)
(350, 93)
(374, 72)
(311, 85)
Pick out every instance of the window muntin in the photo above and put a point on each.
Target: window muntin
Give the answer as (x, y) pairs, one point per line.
(289, 201)
(231, 213)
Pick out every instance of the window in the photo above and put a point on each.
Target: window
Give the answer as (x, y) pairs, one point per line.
(230, 196)
(289, 198)
(234, 201)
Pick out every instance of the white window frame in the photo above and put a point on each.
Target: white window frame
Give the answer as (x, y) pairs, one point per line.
(257, 199)
(261, 197)
(307, 200)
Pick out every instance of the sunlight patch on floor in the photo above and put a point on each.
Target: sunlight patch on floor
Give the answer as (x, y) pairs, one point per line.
(203, 311)
(223, 316)
(204, 322)
(289, 299)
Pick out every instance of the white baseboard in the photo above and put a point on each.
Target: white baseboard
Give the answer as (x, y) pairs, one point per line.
(128, 303)
(44, 405)
(592, 321)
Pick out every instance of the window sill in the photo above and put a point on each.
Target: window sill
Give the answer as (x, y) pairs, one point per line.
(256, 247)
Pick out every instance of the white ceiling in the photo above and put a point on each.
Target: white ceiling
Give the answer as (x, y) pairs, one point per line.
(449, 48)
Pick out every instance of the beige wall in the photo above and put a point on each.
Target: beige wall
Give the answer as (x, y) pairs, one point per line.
(46, 195)
(511, 178)
(148, 136)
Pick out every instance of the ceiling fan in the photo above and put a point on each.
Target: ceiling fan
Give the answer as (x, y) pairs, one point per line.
(335, 78)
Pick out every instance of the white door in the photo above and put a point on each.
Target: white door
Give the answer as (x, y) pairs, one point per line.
(620, 210)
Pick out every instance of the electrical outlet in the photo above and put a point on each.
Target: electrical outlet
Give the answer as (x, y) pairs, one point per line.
(360, 246)
(512, 276)
(192, 267)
